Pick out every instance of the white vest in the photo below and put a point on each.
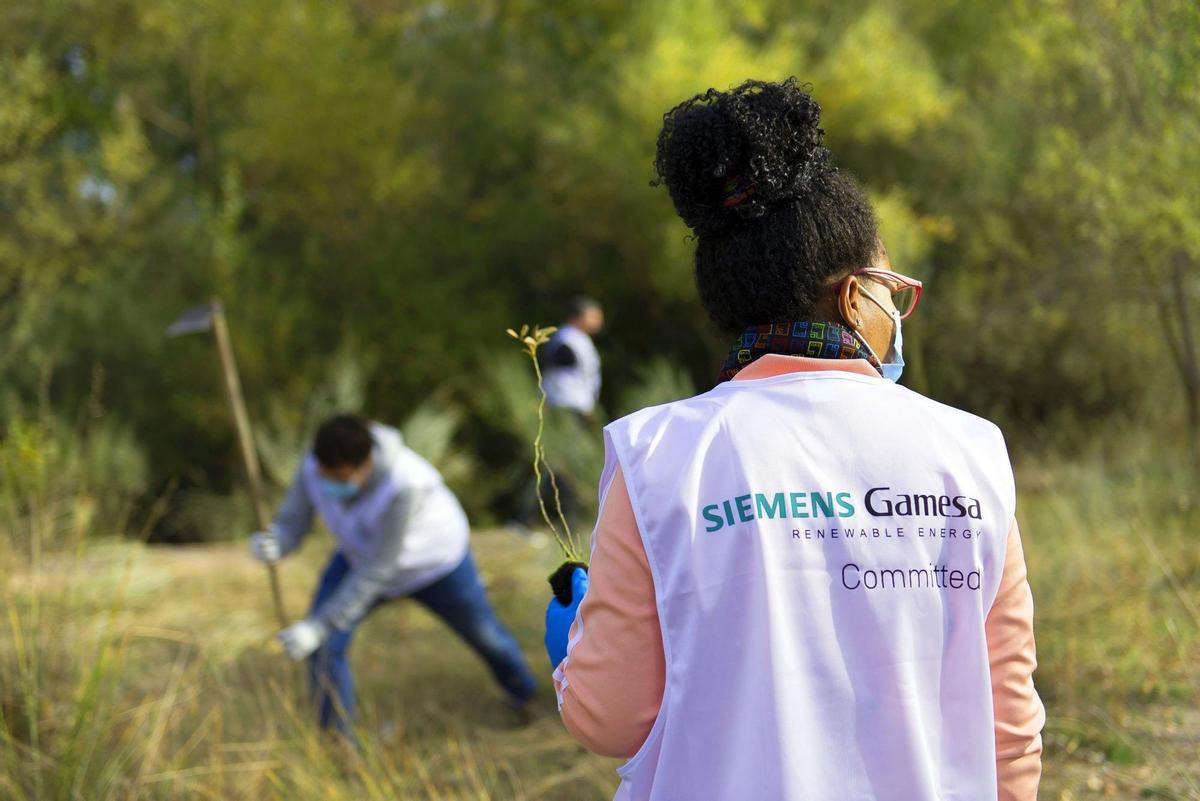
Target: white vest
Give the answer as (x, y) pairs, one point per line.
(436, 537)
(576, 387)
(825, 548)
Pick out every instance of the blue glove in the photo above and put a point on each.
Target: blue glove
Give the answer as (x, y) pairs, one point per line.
(559, 618)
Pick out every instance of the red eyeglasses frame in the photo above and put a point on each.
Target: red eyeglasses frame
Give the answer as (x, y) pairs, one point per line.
(903, 280)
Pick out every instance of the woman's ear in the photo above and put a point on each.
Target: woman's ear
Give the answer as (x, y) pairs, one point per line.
(847, 303)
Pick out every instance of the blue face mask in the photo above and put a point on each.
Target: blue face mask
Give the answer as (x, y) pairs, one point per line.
(893, 369)
(338, 490)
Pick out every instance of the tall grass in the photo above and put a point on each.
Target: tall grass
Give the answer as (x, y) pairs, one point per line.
(1112, 540)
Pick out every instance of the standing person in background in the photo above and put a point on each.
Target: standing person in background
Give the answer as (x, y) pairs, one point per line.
(399, 532)
(570, 363)
(807, 583)
(570, 366)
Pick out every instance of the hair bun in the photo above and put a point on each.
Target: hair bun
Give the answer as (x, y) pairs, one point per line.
(731, 156)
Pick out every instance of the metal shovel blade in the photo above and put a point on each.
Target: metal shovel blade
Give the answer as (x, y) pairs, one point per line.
(193, 321)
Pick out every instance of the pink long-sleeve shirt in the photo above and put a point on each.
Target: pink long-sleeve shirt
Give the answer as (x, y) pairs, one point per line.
(611, 688)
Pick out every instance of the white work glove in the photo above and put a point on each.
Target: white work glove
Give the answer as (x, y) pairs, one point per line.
(265, 547)
(301, 639)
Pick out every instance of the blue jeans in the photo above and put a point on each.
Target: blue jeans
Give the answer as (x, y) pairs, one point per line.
(458, 599)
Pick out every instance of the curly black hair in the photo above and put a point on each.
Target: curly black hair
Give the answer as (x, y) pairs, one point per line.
(773, 218)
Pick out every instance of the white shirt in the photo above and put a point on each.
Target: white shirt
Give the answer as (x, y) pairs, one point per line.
(574, 386)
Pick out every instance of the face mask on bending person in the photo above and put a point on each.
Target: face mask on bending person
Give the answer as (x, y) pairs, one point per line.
(338, 490)
(344, 482)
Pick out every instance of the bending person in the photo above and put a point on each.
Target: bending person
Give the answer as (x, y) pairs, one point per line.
(808, 582)
(399, 532)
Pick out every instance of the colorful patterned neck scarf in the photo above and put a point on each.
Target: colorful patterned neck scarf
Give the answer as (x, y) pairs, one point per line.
(803, 338)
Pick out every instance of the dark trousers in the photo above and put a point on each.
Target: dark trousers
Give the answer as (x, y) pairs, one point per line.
(458, 599)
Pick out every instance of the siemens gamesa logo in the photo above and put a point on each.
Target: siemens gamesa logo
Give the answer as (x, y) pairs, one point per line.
(876, 502)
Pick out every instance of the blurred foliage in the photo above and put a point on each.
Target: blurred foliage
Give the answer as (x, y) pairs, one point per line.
(395, 183)
(59, 482)
(658, 381)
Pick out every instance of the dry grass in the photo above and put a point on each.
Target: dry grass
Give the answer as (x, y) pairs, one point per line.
(161, 658)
